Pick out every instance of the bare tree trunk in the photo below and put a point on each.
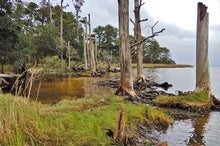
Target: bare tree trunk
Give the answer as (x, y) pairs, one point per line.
(61, 29)
(202, 64)
(77, 26)
(92, 59)
(138, 38)
(50, 15)
(96, 51)
(69, 54)
(126, 81)
(85, 41)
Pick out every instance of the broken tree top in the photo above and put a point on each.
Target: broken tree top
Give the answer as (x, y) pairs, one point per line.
(202, 9)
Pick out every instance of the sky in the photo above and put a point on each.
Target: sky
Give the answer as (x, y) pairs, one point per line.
(178, 17)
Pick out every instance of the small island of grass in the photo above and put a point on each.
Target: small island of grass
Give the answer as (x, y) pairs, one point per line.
(155, 65)
(193, 101)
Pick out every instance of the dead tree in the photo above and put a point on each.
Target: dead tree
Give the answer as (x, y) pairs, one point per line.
(85, 41)
(77, 5)
(61, 28)
(202, 63)
(51, 13)
(92, 59)
(126, 81)
(138, 38)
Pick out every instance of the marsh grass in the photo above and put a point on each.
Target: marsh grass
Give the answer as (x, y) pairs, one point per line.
(194, 99)
(69, 122)
(152, 65)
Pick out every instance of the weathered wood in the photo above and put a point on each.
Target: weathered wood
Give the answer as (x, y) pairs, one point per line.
(119, 132)
(126, 81)
(138, 37)
(7, 81)
(202, 63)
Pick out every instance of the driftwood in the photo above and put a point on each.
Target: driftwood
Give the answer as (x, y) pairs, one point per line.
(77, 71)
(147, 91)
(6, 82)
(113, 69)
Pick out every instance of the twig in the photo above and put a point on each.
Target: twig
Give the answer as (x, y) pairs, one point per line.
(132, 21)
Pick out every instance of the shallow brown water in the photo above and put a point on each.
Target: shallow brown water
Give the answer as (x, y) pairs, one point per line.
(62, 88)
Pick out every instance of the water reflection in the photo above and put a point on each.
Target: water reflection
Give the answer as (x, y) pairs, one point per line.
(62, 88)
(199, 129)
(194, 132)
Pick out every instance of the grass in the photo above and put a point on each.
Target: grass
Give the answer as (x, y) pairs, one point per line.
(70, 122)
(194, 99)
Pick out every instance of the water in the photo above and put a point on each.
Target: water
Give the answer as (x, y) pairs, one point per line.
(68, 88)
(193, 132)
(183, 79)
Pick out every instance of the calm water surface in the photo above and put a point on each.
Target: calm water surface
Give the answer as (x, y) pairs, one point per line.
(193, 132)
(203, 131)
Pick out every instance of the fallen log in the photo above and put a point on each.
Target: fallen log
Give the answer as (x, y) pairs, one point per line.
(113, 69)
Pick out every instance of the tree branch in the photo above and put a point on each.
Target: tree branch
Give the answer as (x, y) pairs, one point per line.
(132, 21)
(143, 20)
(151, 36)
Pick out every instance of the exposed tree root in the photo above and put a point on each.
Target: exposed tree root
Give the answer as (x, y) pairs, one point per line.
(98, 73)
(144, 84)
(131, 96)
(215, 103)
(77, 71)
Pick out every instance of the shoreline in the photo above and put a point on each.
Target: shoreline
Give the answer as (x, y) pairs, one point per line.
(152, 65)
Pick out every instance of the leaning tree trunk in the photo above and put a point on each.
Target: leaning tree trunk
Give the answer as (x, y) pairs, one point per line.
(138, 38)
(126, 83)
(202, 64)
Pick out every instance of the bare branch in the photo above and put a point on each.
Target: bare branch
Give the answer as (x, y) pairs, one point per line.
(132, 21)
(141, 4)
(151, 36)
(143, 20)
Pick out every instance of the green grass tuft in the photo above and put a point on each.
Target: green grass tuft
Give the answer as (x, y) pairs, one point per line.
(193, 99)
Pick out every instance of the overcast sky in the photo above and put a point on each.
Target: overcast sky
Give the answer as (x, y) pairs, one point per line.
(178, 17)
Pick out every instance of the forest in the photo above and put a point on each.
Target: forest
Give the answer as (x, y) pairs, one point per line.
(32, 33)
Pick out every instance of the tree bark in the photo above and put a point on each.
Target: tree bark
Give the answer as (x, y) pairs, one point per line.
(61, 29)
(51, 13)
(85, 41)
(202, 64)
(138, 37)
(126, 82)
(92, 59)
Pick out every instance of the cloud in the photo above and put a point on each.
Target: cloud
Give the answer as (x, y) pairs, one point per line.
(215, 28)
